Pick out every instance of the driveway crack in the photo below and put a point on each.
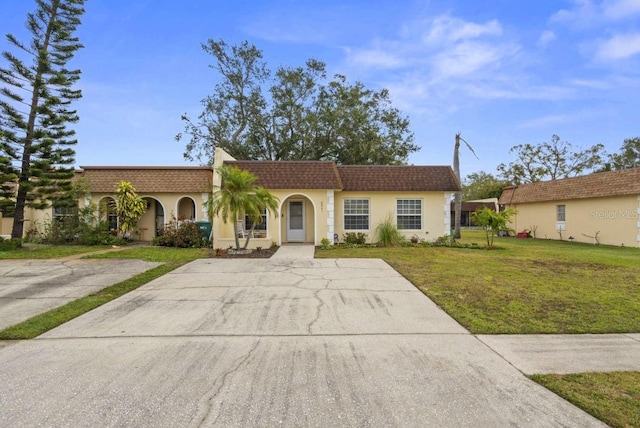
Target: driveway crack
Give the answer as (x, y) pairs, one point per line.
(206, 413)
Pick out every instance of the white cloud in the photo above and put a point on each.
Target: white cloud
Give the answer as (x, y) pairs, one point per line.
(584, 13)
(587, 13)
(546, 37)
(468, 58)
(447, 29)
(620, 9)
(618, 47)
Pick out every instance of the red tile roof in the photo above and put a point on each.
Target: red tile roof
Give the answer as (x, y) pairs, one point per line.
(398, 178)
(602, 184)
(149, 179)
(292, 174)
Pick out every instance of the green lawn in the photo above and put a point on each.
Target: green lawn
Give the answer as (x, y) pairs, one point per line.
(523, 285)
(38, 251)
(613, 397)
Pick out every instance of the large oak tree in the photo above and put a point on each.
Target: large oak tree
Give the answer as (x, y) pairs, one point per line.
(550, 161)
(36, 153)
(295, 113)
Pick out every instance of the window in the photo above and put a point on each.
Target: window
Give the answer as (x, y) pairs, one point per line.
(560, 213)
(60, 213)
(260, 226)
(409, 214)
(356, 214)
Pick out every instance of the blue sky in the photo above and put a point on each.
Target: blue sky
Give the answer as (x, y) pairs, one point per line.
(502, 72)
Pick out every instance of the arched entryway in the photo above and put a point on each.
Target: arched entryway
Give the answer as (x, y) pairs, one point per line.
(186, 209)
(107, 213)
(152, 221)
(298, 220)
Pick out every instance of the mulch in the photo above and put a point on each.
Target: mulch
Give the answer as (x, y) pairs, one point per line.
(263, 253)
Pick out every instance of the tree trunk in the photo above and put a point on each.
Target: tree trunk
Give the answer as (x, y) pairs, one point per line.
(458, 195)
(25, 167)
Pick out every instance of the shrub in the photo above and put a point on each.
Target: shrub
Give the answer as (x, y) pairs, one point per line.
(325, 244)
(184, 235)
(388, 234)
(10, 244)
(355, 238)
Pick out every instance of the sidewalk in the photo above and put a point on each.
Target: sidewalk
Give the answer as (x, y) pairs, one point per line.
(295, 251)
(567, 353)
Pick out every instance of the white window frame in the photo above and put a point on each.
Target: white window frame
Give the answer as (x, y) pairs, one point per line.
(409, 212)
(261, 227)
(356, 214)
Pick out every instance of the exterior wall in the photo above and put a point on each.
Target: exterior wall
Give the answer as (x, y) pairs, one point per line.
(382, 205)
(170, 202)
(35, 220)
(316, 214)
(6, 226)
(616, 218)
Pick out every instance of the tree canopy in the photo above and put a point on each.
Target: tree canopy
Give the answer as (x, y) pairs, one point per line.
(549, 161)
(36, 154)
(295, 113)
(628, 157)
(482, 185)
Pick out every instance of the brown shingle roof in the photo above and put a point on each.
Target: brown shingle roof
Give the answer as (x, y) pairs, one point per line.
(398, 178)
(292, 174)
(473, 206)
(149, 179)
(602, 184)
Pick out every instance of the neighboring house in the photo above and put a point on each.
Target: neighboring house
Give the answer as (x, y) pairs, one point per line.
(578, 208)
(469, 207)
(319, 199)
(170, 193)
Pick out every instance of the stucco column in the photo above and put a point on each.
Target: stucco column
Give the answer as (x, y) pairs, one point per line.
(638, 224)
(447, 213)
(330, 215)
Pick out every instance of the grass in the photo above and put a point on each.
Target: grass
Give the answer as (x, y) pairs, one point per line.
(39, 251)
(171, 258)
(612, 397)
(523, 285)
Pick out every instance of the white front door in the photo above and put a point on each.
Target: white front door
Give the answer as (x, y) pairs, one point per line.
(295, 221)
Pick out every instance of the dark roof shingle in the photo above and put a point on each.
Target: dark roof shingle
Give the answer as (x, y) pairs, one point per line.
(601, 184)
(391, 178)
(149, 179)
(292, 174)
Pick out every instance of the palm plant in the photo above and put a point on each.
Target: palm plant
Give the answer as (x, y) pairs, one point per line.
(239, 195)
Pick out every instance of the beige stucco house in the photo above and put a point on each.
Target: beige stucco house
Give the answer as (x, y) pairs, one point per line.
(318, 199)
(170, 193)
(605, 204)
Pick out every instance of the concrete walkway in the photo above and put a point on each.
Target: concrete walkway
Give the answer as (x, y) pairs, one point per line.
(295, 251)
(271, 342)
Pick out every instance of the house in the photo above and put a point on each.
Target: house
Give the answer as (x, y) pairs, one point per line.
(318, 199)
(598, 208)
(169, 192)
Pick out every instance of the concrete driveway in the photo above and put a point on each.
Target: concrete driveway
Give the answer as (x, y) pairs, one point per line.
(278, 342)
(31, 287)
